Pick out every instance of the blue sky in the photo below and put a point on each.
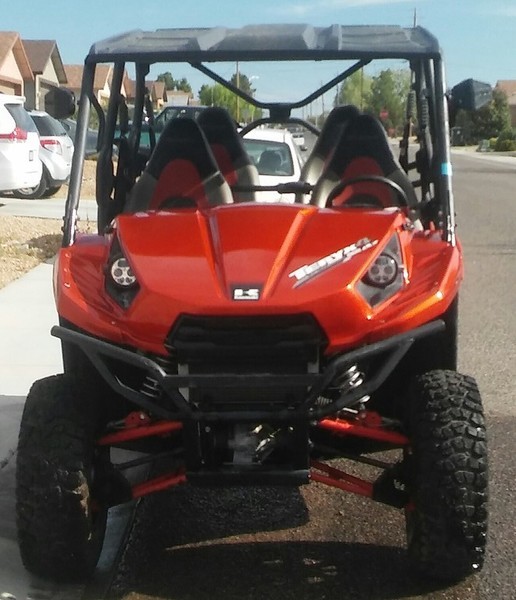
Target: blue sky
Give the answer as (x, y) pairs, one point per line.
(478, 37)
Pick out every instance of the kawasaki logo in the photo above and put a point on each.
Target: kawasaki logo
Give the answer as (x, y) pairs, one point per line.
(246, 293)
(306, 272)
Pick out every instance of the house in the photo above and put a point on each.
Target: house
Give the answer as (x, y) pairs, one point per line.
(158, 94)
(101, 84)
(15, 71)
(508, 86)
(47, 70)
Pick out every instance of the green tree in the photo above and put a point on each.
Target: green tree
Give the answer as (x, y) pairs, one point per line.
(168, 79)
(356, 90)
(492, 119)
(218, 95)
(182, 85)
(388, 98)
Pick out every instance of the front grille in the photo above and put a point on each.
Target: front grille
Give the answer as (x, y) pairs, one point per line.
(195, 338)
(264, 345)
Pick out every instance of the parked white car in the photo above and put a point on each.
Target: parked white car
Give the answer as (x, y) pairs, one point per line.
(277, 158)
(20, 166)
(55, 152)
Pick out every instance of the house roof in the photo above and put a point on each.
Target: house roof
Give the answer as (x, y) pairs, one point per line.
(10, 41)
(74, 76)
(509, 87)
(40, 53)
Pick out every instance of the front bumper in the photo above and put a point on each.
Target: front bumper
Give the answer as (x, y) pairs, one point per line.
(173, 403)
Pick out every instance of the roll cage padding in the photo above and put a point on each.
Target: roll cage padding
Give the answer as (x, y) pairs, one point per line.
(228, 148)
(181, 172)
(363, 149)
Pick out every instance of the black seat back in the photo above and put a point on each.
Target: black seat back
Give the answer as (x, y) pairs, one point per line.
(363, 149)
(324, 147)
(182, 171)
(228, 148)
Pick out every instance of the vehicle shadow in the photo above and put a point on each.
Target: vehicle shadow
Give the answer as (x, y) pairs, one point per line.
(284, 570)
(260, 543)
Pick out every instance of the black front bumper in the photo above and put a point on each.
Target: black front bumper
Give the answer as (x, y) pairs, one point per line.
(386, 354)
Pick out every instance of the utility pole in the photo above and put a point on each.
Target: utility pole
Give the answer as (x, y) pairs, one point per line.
(415, 17)
(238, 97)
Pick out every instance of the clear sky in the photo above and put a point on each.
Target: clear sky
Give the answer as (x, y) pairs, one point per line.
(478, 37)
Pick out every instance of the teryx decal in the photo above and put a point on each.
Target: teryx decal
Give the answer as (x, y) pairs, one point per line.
(307, 272)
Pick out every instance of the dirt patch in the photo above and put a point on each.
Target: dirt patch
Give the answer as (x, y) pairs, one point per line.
(26, 241)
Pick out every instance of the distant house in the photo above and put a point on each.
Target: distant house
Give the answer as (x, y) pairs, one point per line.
(47, 70)
(508, 86)
(15, 71)
(158, 93)
(178, 98)
(101, 84)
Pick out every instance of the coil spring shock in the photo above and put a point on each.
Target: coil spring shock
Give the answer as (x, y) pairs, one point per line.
(349, 380)
(150, 386)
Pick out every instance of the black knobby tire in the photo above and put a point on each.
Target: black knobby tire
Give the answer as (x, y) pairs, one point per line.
(447, 519)
(60, 528)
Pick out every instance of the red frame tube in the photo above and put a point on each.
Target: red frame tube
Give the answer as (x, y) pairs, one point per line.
(321, 472)
(158, 484)
(366, 431)
(339, 479)
(136, 433)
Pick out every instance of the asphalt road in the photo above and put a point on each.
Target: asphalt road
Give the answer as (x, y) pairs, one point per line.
(318, 542)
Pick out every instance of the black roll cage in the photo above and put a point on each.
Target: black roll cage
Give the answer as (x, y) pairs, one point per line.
(428, 84)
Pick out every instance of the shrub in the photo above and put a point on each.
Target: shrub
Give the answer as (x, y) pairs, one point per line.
(506, 146)
(506, 140)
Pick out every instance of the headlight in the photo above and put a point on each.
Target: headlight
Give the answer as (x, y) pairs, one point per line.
(385, 276)
(121, 272)
(383, 271)
(120, 279)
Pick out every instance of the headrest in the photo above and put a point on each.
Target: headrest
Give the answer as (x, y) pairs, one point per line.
(220, 129)
(338, 118)
(182, 139)
(365, 136)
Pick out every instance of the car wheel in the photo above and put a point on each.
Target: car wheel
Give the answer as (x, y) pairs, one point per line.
(446, 520)
(35, 192)
(61, 527)
(51, 191)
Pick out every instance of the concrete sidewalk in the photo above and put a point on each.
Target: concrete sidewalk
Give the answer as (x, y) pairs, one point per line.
(27, 352)
(46, 208)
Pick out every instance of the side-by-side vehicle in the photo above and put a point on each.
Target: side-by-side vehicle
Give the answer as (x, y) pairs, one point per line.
(230, 341)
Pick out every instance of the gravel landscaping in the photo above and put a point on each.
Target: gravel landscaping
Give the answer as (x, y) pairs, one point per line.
(26, 241)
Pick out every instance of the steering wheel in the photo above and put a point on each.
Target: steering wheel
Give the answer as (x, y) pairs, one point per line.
(340, 187)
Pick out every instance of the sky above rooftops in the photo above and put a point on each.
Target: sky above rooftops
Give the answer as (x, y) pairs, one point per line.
(478, 37)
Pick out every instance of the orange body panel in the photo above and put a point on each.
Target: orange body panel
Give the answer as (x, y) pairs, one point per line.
(190, 262)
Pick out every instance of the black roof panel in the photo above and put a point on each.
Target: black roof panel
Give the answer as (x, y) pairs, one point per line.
(267, 43)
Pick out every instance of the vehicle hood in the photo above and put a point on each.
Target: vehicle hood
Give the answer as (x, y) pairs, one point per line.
(274, 249)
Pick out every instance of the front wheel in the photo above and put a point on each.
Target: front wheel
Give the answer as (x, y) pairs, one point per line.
(60, 526)
(446, 520)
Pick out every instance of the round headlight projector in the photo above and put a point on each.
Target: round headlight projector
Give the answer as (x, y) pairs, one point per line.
(383, 271)
(122, 273)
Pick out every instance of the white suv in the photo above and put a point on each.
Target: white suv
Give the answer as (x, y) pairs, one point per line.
(55, 152)
(20, 166)
(277, 158)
